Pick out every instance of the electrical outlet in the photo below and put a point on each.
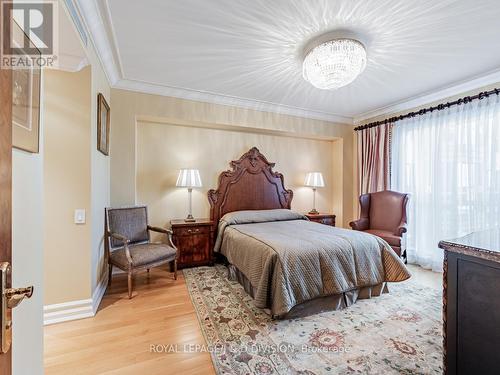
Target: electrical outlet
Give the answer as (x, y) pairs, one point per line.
(80, 216)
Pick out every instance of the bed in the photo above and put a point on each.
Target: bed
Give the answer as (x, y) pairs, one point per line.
(288, 264)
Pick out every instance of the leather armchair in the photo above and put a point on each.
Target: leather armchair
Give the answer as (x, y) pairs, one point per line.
(383, 214)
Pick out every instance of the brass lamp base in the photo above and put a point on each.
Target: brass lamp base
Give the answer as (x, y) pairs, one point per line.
(313, 212)
(190, 219)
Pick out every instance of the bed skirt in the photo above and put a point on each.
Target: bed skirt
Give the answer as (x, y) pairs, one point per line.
(317, 305)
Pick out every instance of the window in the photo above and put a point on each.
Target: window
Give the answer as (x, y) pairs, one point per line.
(449, 162)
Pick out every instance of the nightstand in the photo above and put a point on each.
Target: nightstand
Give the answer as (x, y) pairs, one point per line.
(194, 241)
(327, 219)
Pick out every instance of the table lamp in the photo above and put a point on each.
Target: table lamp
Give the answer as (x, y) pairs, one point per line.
(314, 180)
(189, 178)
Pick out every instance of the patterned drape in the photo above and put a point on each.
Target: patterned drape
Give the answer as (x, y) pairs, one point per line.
(374, 158)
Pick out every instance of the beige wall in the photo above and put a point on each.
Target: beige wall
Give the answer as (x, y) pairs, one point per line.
(67, 169)
(130, 110)
(162, 149)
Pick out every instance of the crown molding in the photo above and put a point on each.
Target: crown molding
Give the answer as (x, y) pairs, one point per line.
(94, 13)
(71, 63)
(475, 83)
(98, 21)
(76, 17)
(208, 97)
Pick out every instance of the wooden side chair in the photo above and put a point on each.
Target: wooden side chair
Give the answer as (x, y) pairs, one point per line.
(128, 244)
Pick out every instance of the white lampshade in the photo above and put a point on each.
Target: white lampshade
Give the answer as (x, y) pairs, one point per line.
(314, 179)
(189, 178)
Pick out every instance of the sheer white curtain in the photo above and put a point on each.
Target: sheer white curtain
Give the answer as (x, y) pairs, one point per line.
(449, 161)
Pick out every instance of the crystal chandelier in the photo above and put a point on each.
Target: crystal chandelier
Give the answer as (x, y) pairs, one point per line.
(334, 64)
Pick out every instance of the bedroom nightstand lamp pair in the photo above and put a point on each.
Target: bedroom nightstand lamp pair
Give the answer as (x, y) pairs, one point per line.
(189, 178)
(314, 180)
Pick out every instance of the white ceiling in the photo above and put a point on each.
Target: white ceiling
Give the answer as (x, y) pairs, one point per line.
(251, 51)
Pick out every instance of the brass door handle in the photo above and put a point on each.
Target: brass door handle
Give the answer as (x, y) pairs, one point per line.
(16, 295)
(9, 298)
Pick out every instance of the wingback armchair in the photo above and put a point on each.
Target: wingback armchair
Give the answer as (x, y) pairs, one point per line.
(384, 214)
(128, 244)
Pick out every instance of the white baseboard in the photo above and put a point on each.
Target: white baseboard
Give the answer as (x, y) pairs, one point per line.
(62, 312)
(74, 310)
(99, 291)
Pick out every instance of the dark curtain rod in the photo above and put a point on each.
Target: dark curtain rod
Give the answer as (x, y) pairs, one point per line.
(438, 107)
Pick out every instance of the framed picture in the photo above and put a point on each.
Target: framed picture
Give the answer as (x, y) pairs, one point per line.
(25, 100)
(102, 125)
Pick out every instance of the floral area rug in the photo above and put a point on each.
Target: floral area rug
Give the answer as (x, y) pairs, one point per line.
(396, 333)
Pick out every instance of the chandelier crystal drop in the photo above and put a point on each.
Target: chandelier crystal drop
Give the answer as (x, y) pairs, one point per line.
(334, 64)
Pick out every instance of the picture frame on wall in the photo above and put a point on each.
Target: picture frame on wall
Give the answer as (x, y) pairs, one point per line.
(26, 87)
(103, 123)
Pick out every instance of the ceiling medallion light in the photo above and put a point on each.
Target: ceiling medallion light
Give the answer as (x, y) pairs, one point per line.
(335, 63)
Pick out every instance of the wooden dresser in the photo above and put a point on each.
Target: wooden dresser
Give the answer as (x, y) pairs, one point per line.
(327, 219)
(471, 298)
(194, 241)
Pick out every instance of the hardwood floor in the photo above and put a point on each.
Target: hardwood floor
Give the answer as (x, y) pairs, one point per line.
(118, 339)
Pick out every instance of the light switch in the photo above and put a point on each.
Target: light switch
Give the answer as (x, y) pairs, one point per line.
(80, 216)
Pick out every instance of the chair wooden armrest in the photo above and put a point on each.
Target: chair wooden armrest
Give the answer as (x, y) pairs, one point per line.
(168, 232)
(159, 230)
(125, 241)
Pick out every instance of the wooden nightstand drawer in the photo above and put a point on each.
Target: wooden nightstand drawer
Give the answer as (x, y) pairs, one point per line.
(327, 219)
(194, 241)
(189, 231)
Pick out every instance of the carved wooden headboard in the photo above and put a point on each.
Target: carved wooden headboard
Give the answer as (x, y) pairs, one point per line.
(250, 185)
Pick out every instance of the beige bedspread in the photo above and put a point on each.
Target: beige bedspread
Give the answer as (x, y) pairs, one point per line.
(290, 260)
